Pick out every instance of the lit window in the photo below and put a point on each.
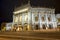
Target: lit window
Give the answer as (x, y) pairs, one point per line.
(42, 18)
(16, 19)
(36, 18)
(20, 18)
(26, 17)
(49, 19)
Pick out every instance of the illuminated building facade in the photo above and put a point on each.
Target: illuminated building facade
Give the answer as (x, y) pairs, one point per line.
(58, 20)
(34, 18)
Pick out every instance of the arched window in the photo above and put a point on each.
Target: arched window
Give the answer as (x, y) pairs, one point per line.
(26, 17)
(16, 19)
(20, 18)
(43, 26)
(36, 18)
(50, 26)
(49, 17)
(43, 18)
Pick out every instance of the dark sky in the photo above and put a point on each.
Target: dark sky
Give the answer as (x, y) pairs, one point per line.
(7, 7)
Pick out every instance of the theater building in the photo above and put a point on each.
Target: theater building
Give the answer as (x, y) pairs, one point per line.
(27, 17)
(58, 20)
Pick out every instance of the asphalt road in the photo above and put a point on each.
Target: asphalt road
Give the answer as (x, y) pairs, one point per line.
(30, 35)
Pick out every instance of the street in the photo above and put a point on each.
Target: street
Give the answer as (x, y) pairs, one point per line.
(30, 35)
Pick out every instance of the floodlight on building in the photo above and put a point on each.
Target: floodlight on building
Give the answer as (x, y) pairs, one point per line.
(22, 10)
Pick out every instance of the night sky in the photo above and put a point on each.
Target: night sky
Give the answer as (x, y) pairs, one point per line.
(7, 7)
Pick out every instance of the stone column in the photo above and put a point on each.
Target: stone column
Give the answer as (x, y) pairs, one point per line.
(40, 21)
(47, 20)
(23, 21)
(55, 22)
(29, 20)
(13, 18)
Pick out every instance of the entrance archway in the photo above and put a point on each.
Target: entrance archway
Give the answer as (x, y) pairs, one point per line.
(25, 26)
(50, 26)
(43, 26)
(36, 27)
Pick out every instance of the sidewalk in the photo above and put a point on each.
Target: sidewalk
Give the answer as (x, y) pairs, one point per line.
(26, 37)
(48, 30)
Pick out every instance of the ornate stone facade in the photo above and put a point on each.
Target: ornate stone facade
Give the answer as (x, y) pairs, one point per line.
(34, 18)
